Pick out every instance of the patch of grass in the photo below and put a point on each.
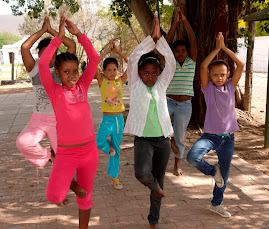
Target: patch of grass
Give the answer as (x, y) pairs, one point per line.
(19, 72)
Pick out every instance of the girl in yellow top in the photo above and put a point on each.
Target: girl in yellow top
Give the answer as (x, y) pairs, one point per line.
(112, 107)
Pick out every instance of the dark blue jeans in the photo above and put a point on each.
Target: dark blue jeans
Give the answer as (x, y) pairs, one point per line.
(224, 147)
(151, 155)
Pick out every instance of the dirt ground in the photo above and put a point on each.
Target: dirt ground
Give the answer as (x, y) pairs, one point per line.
(249, 141)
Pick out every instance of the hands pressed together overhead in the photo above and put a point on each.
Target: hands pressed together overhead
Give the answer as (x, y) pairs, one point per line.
(220, 41)
(180, 16)
(70, 26)
(156, 31)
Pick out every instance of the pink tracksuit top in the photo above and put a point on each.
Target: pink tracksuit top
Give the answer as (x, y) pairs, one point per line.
(71, 107)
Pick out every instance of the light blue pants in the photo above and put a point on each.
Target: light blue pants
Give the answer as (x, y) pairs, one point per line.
(111, 125)
(181, 111)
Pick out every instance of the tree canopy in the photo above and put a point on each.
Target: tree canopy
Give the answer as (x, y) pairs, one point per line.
(7, 38)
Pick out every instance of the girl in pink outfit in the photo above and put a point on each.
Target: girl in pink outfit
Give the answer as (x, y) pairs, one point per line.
(77, 151)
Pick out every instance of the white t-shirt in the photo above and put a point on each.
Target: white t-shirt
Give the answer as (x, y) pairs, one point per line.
(42, 101)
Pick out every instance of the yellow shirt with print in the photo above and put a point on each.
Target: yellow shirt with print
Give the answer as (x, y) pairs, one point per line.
(111, 93)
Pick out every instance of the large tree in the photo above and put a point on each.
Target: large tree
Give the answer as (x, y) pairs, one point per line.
(207, 18)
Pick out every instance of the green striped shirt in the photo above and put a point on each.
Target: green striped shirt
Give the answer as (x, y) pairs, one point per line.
(182, 82)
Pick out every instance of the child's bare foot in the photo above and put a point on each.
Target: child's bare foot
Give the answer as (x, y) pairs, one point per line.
(80, 192)
(177, 171)
(52, 156)
(154, 226)
(159, 193)
(63, 203)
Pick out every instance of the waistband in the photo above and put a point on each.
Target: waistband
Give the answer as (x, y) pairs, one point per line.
(112, 116)
(43, 117)
(222, 135)
(187, 101)
(161, 138)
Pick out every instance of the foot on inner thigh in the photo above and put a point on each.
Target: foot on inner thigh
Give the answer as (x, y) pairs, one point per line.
(159, 193)
(80, 192)
(154, 226)
(63, 203)
(52, 156)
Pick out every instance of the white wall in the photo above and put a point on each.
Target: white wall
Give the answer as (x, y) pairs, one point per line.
(260, 54)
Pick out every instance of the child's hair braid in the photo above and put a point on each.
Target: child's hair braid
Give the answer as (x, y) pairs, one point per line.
(65, 56)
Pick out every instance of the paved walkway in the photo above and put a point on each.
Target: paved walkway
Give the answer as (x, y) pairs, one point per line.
(23, 203)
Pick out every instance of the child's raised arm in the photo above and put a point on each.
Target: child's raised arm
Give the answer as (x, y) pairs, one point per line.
(208, 60)
(48, 82)
(239, 63)
(28, 60)
(116, 50)
(192, 39)
(88, 75)
(144, 47)
(162, 46)
(71, 45)
(98, 75)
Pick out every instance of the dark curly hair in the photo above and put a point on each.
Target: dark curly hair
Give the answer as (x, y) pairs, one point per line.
(179, 43)
(44, 43)
(65, 56)
(110, 60)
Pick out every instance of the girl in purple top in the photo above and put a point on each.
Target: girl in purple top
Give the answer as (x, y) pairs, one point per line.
(220, 121)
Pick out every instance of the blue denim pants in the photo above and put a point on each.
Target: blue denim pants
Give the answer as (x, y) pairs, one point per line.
(151, 155)
(111, 125)
(181, 112)
(224, 147)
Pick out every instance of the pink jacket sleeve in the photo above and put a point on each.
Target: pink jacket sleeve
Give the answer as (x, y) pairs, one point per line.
(44, 69)
(88, 75)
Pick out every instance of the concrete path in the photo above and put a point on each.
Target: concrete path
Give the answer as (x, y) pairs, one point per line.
(23, 202)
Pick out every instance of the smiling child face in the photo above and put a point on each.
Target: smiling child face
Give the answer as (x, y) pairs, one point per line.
(68, 72)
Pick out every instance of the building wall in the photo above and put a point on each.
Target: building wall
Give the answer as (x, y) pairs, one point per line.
(260, 53)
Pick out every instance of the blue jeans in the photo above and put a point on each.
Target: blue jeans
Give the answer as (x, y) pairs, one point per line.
(111, 125)
(182, 115)
(224, 146)
(151, 155)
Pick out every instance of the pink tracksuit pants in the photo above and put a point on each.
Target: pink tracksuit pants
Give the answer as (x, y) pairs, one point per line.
(39, 127)
(81, 160)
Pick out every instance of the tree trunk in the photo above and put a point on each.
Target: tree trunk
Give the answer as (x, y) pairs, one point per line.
(143, 14)
(206, 19)
(249, 67)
